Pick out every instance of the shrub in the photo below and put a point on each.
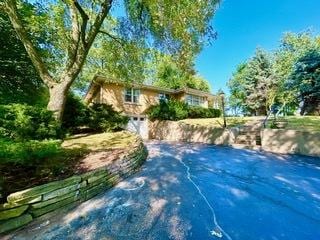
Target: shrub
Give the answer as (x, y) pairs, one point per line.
(76, 114)
(28, 153)
(168, 110)
(103, 118)
(200, 112)
(24, 122)
(177, 110)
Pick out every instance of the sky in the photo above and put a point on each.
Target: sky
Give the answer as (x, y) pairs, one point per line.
(244, 25)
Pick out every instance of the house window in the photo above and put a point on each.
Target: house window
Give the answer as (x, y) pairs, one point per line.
(163, 97)
(132, 95)
(193, 100)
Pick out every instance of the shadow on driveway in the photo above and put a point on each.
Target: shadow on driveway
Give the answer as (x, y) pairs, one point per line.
(198, 191)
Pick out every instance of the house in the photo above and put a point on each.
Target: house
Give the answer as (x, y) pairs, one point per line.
(134, 99)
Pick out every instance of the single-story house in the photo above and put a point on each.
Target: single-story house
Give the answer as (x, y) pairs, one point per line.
(133, 99)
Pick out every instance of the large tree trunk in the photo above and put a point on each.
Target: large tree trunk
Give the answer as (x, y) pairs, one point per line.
(57, 100)
(82, 37)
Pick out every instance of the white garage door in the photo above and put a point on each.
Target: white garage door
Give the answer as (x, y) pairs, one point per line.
(139, 125)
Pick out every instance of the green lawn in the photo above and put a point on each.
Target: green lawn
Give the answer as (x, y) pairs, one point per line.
(308, 123)
(98, 142)
(217, 122)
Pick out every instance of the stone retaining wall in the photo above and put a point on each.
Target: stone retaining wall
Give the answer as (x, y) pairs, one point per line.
(272, 140)
(291, 142)
(179, 131)
(23, 207)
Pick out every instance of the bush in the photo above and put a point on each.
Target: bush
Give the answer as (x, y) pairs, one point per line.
(103, 118)
(177, 110)
(28, 153)
(76, 114)
(24, 122)
(200, 112)
(168, 110)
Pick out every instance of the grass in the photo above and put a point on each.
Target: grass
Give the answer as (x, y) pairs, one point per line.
(98, 142)
(304, 123)
(218, 122)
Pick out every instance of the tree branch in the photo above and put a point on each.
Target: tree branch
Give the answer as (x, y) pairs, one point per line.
(105, 8)
(85, 19)
(82, 51)
(11, 10)
(119, 40)
(75, 36)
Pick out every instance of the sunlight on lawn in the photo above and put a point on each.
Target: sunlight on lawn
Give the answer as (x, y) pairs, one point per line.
(100, 141)
(311, 123)
(217, 122)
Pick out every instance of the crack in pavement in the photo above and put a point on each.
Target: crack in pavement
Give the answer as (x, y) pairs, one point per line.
(218, 230)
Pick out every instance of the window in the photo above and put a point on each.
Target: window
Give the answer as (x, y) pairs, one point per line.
(132, 95)
(163, 97)
(195, 100)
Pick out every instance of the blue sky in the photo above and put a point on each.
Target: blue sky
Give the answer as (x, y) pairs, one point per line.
(242, 25)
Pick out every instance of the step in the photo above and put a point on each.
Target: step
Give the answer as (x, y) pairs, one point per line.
(241, 132)
(246, 137)
(243, 146)
(248, 140)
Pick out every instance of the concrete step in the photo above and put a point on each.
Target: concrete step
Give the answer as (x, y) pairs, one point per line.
(241, 132)
(248, 143)
(248, 139)
(243, 146)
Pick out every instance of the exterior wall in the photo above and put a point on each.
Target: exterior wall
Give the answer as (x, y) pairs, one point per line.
(179, 96)
(205, 104)
(25, 206)
(291, 141)
(114, 94)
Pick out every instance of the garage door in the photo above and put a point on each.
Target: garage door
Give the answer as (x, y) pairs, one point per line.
(139, 125)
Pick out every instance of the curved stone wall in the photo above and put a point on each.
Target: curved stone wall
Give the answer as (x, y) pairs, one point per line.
(24, 206)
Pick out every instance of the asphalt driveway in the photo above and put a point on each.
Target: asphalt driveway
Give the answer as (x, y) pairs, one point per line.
(196, 191)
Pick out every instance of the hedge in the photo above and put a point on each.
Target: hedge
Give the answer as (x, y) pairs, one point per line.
(176, 110)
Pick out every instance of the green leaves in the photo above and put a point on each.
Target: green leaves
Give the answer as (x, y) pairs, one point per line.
(251, 84)
(170, 75)
(180, 27)
(287, 77)
(305, 81)
(19, 81)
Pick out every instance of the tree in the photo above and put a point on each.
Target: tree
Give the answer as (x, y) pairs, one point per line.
(170, 75)
(251, 84)
(293, 48)
(19, 81)
(125, 60)
(70, 28)
(305, 82)
(237, 91)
